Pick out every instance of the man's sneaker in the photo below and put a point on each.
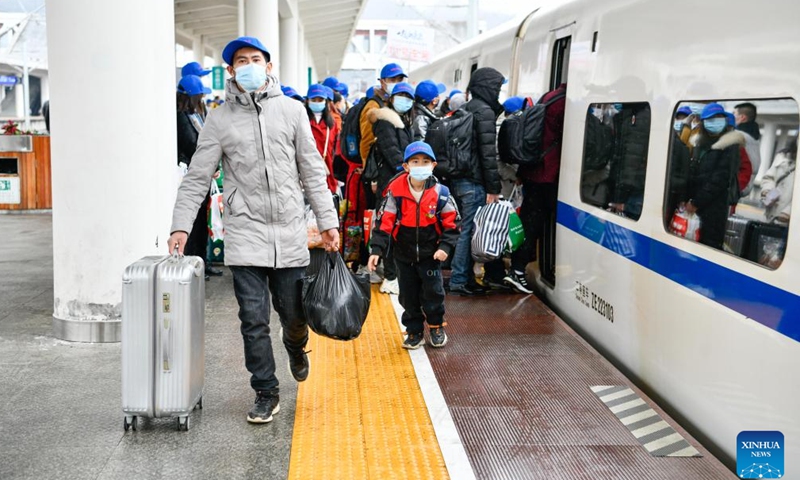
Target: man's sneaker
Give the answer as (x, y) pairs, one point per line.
(495, 284)
(414, 341)
(518, 281)
(299, 365)
(390, 286)
(438, 336)
(464, 291)
(266, 405)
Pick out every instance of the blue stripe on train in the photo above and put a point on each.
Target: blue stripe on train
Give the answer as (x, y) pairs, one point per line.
(764, 303)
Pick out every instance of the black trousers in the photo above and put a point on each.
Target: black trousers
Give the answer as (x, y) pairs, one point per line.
(421, 294)
(538, 207)
(253, 286)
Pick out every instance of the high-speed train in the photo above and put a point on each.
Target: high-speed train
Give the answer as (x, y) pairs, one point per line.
(711, 332)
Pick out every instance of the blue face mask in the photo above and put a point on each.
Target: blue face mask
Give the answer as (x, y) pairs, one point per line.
(420, 173)
(251, 77)
(317, 107)
(402, 104)
(715, 125)
(678, 125)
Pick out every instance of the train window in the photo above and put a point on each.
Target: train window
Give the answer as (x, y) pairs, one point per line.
(615, 157)
(730, 176)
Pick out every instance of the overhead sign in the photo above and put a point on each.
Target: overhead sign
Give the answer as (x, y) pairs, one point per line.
(8, 80)
(411, 43)
(217, 78)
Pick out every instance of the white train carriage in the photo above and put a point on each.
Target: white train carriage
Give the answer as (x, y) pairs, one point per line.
(711, 334)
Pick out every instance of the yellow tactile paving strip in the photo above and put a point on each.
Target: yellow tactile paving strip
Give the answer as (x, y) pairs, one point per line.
(361, 414)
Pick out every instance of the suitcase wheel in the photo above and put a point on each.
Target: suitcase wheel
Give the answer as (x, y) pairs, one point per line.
(199, 404)
(183, 424)
(130, 423)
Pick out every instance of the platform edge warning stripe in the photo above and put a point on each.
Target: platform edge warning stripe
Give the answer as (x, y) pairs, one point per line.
(645, 424)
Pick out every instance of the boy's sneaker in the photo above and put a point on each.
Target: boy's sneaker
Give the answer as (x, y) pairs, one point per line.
(390, 286)
(266, 405)
(438, 336)
(299, 365)
(414, 341)
(518, 281)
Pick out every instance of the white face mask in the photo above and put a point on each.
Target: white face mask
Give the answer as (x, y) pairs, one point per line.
(421, 173)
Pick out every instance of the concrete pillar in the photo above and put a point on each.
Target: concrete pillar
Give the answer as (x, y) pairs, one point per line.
(290, 67)
(240, 18)
(302, 60)
(767, 148)
(262, 22)
(217, 57)
(197, 50)
(44, 82)
(113, 188)
(19, 101)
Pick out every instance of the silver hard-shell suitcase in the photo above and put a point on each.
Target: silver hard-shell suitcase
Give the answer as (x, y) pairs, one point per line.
(163, 338)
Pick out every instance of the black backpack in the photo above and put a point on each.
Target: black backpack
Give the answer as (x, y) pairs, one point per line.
(351, 131)
(451, 140)
(522, 134)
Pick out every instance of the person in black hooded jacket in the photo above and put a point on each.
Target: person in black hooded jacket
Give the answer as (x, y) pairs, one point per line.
(481, 184)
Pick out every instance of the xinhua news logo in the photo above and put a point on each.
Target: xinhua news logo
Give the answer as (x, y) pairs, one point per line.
(759, 454)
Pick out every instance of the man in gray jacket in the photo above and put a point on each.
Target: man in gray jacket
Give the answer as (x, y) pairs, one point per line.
(270, 159)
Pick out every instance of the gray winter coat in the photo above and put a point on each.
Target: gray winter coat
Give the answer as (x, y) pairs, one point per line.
(267, 151)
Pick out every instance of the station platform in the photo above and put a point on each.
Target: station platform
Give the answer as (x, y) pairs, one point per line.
(515, 394)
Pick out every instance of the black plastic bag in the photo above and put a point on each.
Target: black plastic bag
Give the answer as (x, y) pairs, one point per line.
(336, 301)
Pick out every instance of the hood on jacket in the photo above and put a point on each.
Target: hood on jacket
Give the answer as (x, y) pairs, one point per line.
(729, 139)
(485, 85)
(750, 128)
(234, 96)
(386, 114)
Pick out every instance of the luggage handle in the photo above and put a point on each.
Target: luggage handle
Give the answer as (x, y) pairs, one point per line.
(166, 346)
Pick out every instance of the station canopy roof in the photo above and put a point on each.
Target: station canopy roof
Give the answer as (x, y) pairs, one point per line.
(328, 25)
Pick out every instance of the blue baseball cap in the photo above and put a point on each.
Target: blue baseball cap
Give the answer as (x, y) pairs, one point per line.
(328, 92)
(331, 82)
(454, 92)
(426, 90)
(233, 46)
(291, 92)
(730, 118)
(343, 89)
(418, 147)
(392, 70)
(403, 87)
(711, 110)
(192, 85)
(370, 92)
(441, 87)
(513, 105)
(317, 91)
(194, 68)
(684, 111)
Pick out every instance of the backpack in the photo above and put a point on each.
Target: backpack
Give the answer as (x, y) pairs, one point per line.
(522, 134)
(450, 139)
(351, 132)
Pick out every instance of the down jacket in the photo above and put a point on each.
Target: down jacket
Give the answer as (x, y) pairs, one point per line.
(392, 136)
(715, 161)
(484, 88)
(629, 160)
(264, 224)
(422, 120)
(780, 175)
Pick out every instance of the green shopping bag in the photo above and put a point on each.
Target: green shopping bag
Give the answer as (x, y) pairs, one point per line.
(516, 234)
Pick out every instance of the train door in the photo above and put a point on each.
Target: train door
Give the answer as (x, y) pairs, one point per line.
(547, 244)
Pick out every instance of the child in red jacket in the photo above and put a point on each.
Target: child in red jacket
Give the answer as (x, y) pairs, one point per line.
(419, 220)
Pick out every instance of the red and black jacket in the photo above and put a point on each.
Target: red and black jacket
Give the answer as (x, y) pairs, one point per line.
(415, 230)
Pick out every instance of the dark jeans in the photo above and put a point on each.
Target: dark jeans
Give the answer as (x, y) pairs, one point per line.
(421, 294)
(253, 286)
(197, 243)
(538, 206)
(469, 197)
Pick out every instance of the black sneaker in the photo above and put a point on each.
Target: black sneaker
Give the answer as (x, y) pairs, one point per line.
(414, 341)
(299, 365)
(478, 288)
(495, 284)
(519, 282)
(465, 291)
(266, 406)
(214, 272)
(438, 336)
